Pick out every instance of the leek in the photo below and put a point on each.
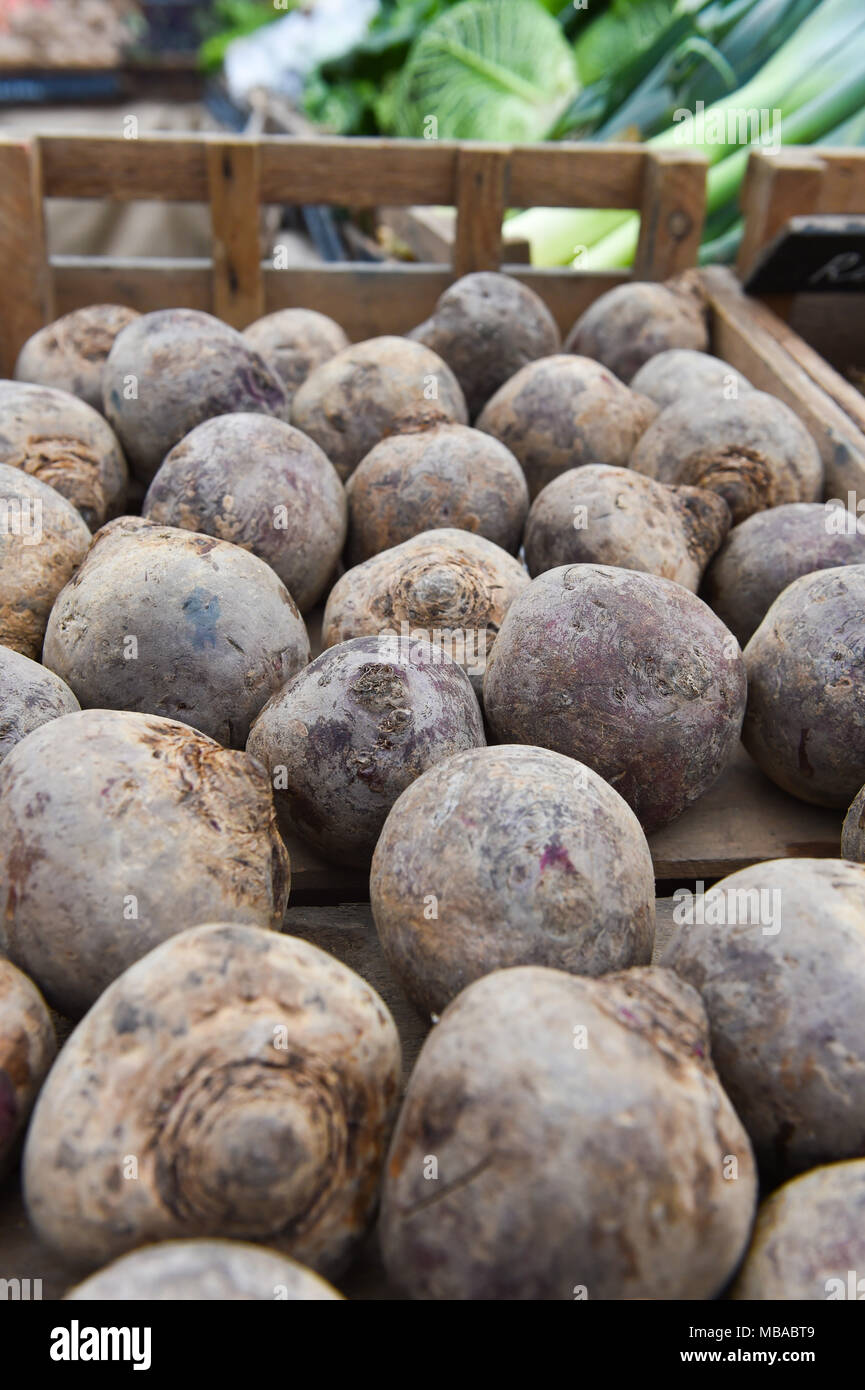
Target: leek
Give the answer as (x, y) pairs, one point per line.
(829, 35)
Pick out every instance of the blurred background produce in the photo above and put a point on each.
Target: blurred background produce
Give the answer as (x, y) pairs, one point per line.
(713, 75)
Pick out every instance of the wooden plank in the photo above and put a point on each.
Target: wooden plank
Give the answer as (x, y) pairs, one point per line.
(170, 168)
(776, 188)
(481, 200)
(574, 175)
(359, 173)
(25, 285)
(845, 395)
(233, 179)
(367, 300)
(745, 819)
(672, 212)
(747, 335)
(142, 283)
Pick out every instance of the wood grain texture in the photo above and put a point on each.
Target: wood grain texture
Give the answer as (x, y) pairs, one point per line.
(233, 182)
(25, 286)
(577, 175)
(776, 188)
(672, 211)
(368, 300)
(481, 202)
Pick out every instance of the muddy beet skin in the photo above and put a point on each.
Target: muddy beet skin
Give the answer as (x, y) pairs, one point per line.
(613, 516)
(805, 723)
(510, 856)
(178, 624)
(487, 326)
(169, 370)
(350, 732)
(118, 830)
(629, 673)
(60, 440)
(42, 543)
(565, 1138)
(809, 1236)
(239, 1083)
(70, 353)
(261, 484)
(27, 1048)
(782, 975)
(630, 324)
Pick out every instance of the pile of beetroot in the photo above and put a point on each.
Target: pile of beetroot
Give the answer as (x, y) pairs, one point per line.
(560, 583)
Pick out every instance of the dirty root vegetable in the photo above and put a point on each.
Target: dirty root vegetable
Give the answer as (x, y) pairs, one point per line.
(178, 624)
(71, 352)
(27, 1048)
(753, 451)
(682, 374)
(853, 830)
(64, 442)
(263, 485)
(249, 1081)
(809, 1237)
(176, 1271)
(118, 830)
(432, 475)
(631, 323)
(805, 723)
(43, 540)
(612, 516)
(295, 342)
(767, 551)
(169, 370)
(352, 401)
(532, 860)
(30, 696)
(446, 585)
(486, 327)
(582, 1144)
(347, 735)
(630, 674)
(778, 954)
(561, 412)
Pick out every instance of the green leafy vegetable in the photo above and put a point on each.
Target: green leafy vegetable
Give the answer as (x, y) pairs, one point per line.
(488, 69)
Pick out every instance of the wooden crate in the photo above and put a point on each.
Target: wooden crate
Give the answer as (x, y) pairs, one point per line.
(822, 333)
(746, 818)
(235, 175)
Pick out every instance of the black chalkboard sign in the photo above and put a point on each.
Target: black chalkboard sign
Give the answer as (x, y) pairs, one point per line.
(812, 255)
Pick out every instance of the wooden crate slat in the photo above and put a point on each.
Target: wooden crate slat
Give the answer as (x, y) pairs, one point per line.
(25, 283)
(672, 207)
(366, 299)
(481, 192)
(233, 179)
(776, 189)
(741, 337)
(572, 175)
(360, 173)
(143, 284)
(171, 168)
